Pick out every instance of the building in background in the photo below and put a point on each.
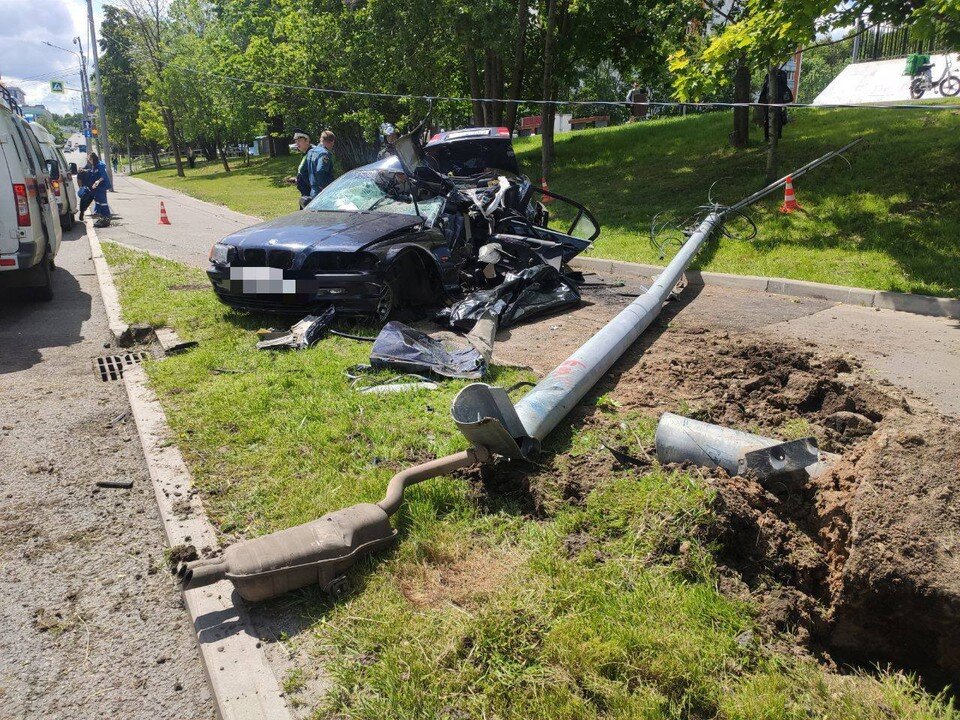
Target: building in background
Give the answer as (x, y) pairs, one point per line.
(37, 112)
(17, 93)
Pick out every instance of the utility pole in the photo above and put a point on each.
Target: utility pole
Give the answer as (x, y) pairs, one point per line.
(84, 81)
(100, 105)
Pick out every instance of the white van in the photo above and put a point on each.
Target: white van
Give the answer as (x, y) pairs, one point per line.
(64, 187)
(30, 230)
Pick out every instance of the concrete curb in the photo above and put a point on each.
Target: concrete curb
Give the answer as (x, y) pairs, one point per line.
(904, 302)
(243, 684)
(108, 291)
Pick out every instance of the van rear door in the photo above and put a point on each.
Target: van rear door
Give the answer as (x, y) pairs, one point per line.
(9, 231)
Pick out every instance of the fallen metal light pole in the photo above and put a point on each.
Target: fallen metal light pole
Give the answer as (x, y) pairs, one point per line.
(775, 462)
(322, 550)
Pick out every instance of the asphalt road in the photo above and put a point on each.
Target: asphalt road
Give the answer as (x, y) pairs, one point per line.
(195, 225)
(91, 625)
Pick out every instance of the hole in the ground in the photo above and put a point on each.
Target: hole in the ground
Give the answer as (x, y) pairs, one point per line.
(858, 563)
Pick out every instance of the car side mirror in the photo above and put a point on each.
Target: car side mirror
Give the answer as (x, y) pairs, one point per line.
(73, 169)
(53, 169)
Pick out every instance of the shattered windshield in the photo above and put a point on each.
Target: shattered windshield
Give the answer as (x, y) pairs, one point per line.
(387, 191)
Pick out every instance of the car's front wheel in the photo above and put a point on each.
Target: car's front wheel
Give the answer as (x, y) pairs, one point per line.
(387, 302)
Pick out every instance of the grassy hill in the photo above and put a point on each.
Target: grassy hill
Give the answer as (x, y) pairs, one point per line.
(889, 220)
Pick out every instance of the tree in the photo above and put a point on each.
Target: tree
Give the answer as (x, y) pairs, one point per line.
(121, 85)
(150, 43)
(766, 32)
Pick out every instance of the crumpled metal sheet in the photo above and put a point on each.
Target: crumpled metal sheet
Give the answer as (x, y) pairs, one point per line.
(522, 295)
(402, 348)
(302, 335)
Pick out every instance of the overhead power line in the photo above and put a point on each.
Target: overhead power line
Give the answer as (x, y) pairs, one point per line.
(556, 103)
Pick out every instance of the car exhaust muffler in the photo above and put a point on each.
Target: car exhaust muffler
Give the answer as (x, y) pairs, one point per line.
(318, 552)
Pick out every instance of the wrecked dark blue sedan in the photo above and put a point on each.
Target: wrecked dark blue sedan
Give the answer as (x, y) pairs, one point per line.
(406, 231)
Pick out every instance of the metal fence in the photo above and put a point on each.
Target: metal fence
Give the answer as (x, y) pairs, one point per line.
(885, 42)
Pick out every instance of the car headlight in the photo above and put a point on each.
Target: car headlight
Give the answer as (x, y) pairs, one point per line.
(221, 254)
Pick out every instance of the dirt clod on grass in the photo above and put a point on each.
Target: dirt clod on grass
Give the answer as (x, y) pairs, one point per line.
(861, 564)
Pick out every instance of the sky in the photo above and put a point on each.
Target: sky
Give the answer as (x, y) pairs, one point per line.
(29, 64)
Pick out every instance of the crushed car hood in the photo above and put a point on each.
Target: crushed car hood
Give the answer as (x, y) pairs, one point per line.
(336, 231)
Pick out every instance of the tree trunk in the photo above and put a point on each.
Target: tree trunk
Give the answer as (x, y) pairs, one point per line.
(489, 78)
(473, 76)
(549, 109)
(741, 115)
(276, 141)
(154, 153)
(519, 44)
(172, 135)
(223, 156)
(773, 118)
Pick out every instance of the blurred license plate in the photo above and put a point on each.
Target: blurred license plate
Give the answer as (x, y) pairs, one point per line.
(261, 281)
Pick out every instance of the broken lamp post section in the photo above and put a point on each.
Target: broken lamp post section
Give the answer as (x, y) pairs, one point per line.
(323, 550)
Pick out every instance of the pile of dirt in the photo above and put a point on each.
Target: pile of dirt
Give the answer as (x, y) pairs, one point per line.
(748, 382)
(859, 564)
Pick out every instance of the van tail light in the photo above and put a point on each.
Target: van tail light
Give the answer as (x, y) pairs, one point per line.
(56, 187)
(23, 206)
(503, 132)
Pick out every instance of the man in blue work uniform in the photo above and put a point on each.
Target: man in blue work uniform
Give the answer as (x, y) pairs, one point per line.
(99, 184)
(320, 163)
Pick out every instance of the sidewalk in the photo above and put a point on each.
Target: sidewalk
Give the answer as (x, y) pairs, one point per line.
(91, 625)
(918, 353)
(195, 225)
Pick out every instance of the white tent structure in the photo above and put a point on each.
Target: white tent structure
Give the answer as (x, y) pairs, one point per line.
(881, 81)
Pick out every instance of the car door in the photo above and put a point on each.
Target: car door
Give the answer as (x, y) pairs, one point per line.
(558, 219)
(10, 175)
(38, 187)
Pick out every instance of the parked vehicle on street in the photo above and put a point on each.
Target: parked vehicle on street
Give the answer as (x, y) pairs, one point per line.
(64, 187)
(404, 231)
(30, 230)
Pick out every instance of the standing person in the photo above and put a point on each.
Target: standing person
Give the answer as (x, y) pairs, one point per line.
(638, 100)
(115, 163)
(389, 133)
(302, 178)
(785, 95)
(320, 163)
(99, 184)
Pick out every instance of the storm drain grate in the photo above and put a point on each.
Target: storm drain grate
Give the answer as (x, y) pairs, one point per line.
(110, 367)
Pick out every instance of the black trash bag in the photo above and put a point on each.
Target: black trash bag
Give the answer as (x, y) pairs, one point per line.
(302, 335)
(399, 347)
(521, 296)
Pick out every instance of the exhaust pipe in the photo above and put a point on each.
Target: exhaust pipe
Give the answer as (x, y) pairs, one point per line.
(318, 552)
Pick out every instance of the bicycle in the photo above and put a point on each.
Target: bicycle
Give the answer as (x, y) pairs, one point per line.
(947, 85)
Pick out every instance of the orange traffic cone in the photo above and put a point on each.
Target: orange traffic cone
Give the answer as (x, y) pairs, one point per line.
(544, 186)
(164, 220)
(789, 199)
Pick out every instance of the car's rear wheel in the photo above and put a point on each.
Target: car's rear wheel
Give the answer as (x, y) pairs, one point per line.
(66, 221)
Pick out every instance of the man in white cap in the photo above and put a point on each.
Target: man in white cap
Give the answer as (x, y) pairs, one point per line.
(389, 133)
(302, 179)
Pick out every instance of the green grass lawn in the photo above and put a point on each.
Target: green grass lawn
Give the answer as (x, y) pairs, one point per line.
(485, 608)
(890, 220)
